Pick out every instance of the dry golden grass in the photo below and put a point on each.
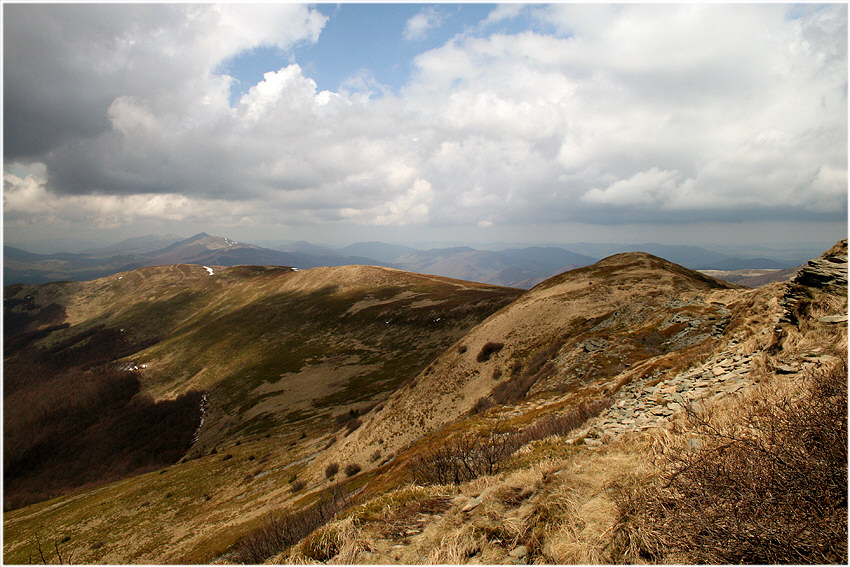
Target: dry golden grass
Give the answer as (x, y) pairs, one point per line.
(761, 478)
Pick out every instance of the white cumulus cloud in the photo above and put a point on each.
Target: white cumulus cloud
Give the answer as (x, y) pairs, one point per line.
(418, 26)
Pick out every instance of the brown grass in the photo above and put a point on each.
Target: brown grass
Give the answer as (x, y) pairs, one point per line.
(473, 454)
(769, 487)
(283, 529)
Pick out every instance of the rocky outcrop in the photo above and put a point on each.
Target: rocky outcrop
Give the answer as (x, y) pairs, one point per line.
(828, 271)
(653, 401)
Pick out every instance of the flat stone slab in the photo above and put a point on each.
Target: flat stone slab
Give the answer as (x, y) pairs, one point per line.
(833, 319)
(519, 551)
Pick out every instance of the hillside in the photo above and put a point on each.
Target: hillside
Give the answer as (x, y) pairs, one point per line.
(551, 430)
(573, 332)
(584, 468)
(272, 351)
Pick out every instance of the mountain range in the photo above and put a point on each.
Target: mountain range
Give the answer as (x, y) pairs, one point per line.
(512, 267)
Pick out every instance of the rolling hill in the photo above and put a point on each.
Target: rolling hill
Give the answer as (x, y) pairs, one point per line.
(269, 350)
(347, 425)
(584, 327)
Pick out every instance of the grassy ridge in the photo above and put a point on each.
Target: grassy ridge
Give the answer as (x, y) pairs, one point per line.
(278, 352)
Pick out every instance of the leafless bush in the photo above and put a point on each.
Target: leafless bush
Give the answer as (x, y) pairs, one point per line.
(375, 456)
(351, 469)
(481, 405)
(282, 530)
(48, 560)
(464, 458)
(472, 455)
(563, 424)
(488, 350)
(331, 470)
(297, 486)
(770, 489)
(520, 382)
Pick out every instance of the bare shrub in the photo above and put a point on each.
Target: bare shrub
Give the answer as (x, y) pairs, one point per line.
(481, 405)
(461, 349)
(517, 386)
(471, 455)
(281, 530)
(771, 488)
(352, 425)
(375, 456)
(331, 470)
(488, 350)
(497, 373)
(297, 486)
(352, 469)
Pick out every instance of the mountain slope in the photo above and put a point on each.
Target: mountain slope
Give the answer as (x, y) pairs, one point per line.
(605, 360)
(592, 322)
(135, 245)
(271, 348)
(687, 436)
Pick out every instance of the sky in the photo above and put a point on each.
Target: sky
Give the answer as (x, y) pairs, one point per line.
(336, 123)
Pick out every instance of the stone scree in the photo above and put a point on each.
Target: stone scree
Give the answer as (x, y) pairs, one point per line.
(639, 406)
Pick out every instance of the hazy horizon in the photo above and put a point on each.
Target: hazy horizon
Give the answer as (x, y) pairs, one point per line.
(805, 247)
(696, 124)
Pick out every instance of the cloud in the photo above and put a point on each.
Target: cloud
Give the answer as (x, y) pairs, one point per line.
(627, 113)
(65, 64)
(501, 13)
(418, 26)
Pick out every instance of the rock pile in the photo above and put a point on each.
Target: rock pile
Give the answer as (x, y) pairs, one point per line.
(652, 401)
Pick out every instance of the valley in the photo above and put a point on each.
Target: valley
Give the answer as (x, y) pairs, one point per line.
(564, 403)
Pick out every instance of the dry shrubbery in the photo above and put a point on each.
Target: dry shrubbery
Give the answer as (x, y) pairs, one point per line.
(472, 455)
(352, 469)
(517, 386)
(331, 470)
(285, 529)
(488, 350)
(771, 488)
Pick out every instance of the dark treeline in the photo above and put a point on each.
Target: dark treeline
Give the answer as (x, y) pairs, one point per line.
(72, 417)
